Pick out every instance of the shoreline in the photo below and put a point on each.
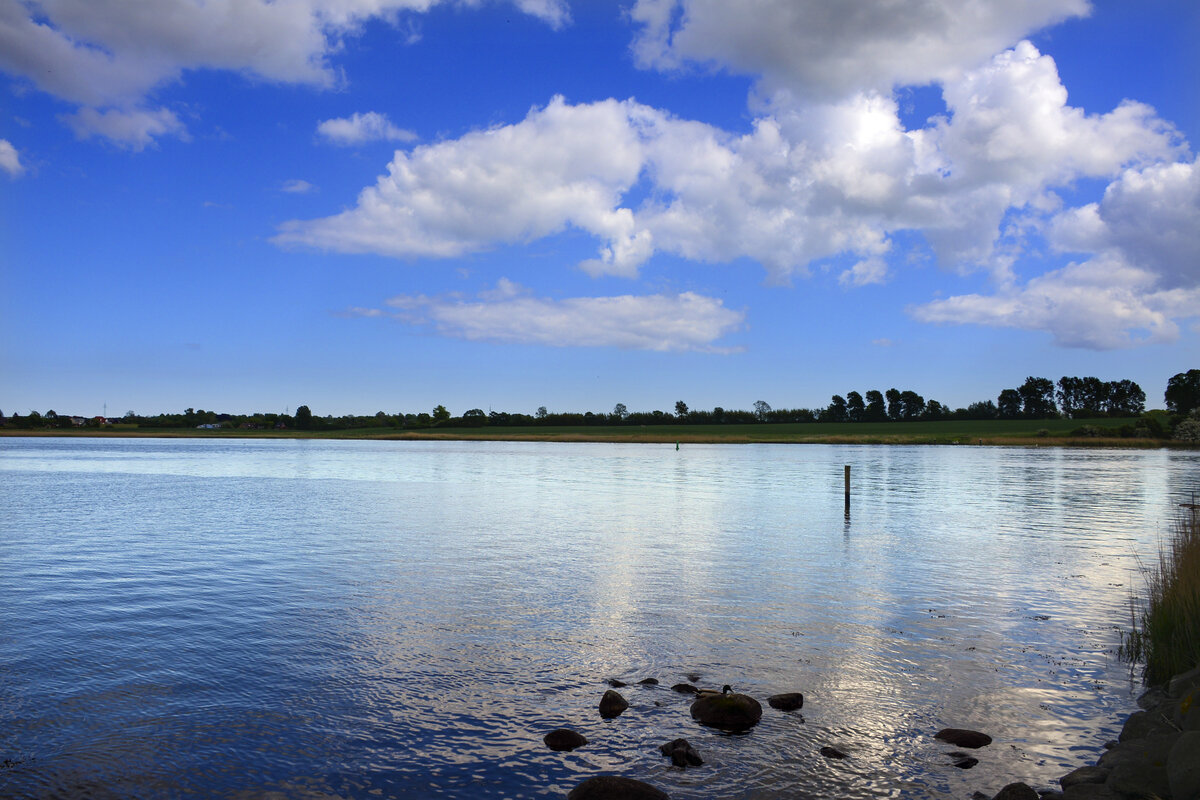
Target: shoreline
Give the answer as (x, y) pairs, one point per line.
(472, 435)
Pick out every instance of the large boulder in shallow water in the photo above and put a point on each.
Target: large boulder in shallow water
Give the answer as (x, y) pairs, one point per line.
(727, 711)
(789, 701)
(612, 704)
(562, 740)
(611, 787)
(960, 737)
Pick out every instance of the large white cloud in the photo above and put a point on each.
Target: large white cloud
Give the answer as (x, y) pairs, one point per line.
(828, 50)
(562, 165)
(806, 183)
(1143, 274)
(508, 313)
(112, 54)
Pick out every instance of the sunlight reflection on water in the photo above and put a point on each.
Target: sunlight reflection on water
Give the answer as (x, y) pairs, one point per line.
(340, 619)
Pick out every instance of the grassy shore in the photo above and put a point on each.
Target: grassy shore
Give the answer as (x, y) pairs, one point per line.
(1029, 433)
(1166, 637)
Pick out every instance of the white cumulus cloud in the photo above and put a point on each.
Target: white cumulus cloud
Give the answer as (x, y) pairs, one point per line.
(361, 128)
(806, 183)
(1141, 279)
(825, 50)
(508, 313)
(110, 55)
(10, 159)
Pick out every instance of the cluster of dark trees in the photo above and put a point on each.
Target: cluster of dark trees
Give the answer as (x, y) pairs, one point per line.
(1036, 398)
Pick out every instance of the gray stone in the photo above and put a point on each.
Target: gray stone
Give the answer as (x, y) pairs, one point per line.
(1151, 699)
(562, 740)
(1137, 751)
(833, 752)
(1090, 791)
(727, 711)
(1184, 683)
(1084, 775)
(1145, 771)
(1016, 791)
(1145, 723)
(789, 701)
(611, 787)
(1183, 767)
(648, 682)
(612, 704)
(681, 753)
(961, 737)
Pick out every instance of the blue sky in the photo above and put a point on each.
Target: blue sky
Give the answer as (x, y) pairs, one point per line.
(366, 205)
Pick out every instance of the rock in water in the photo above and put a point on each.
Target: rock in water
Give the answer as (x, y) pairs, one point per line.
(960, 737)
(612, 704)
(789, 701)
(649, 681)
(611, 787)
(832, 752)
(728, 711)
(562, 740)
(684, 688)
(681, 753)
(1016, 791)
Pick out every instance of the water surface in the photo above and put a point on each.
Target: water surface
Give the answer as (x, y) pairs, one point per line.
(226, 618)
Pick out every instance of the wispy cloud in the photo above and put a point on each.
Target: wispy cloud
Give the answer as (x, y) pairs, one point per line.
(508, 313)
(134, 129)
(10, 159)
(297, 186)
(362, 128)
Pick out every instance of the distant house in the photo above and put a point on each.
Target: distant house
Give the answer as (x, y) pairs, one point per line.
(209, 426)
(77, 421)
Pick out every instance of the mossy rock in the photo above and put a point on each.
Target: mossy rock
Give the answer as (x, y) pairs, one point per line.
(728, 712)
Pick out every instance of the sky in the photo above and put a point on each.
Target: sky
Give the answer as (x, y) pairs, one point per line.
(386, 205)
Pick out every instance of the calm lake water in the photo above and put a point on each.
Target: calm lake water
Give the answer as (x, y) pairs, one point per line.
(306, 619)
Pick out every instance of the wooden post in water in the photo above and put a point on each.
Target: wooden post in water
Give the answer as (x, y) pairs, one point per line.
(847, 488)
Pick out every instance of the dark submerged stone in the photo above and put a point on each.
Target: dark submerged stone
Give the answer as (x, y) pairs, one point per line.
(788, 701)
(612, 787)
(684, 688)
(832, 752)
(681, 753)
(612, 704)
(562, 740)
(649, 681)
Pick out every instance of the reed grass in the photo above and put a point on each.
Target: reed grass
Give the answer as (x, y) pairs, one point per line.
(1165, 635)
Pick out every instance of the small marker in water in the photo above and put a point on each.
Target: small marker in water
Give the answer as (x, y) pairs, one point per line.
(677, 445)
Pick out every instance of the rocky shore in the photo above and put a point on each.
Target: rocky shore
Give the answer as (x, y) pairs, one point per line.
(1157, 756)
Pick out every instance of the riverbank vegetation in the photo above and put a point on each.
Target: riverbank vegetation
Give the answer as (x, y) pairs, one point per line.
(1166, 628)
(1076, 410)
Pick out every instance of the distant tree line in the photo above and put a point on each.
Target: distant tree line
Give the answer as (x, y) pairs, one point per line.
(1036, 398)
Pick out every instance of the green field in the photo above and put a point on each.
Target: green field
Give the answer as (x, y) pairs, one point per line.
(988, 432)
